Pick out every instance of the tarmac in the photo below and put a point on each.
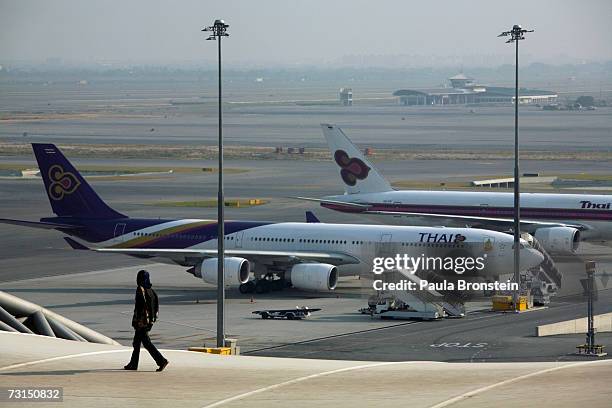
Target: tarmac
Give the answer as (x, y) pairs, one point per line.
(103, 301)
(97, 289)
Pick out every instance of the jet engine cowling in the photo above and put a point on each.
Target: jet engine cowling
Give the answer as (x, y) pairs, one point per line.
(558, 240)
(237, 271)
(314, 276)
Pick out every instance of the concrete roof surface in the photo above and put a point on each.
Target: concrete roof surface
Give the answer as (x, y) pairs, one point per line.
(92, 375)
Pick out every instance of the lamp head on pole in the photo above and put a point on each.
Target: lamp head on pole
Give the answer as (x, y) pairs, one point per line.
(218, 29)
(517, 33)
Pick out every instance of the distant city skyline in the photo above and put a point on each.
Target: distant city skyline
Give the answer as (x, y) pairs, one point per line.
(294, 33)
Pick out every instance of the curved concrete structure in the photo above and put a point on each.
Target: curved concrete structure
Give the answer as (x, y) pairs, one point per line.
(44, 321)
(91, 375)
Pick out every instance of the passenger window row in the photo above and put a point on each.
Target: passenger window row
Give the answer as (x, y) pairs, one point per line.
(268, 239)
(301, 240)
(166, 235)
(431, 245)
(343, 242)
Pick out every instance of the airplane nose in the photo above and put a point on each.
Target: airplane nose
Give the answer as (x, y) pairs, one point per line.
(530, 258)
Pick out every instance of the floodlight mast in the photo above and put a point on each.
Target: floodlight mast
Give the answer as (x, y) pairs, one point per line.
(516, 34)
(218, 30)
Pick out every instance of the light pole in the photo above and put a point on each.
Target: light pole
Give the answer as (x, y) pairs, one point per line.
(590, 337)
(516, 34)
(218, 30)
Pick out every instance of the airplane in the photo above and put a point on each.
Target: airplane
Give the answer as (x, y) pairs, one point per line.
(559, 222)
(308, 256)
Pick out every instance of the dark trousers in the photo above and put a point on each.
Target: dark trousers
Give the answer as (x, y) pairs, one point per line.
(142, 336)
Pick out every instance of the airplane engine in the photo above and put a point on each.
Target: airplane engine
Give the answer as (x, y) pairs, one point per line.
(314, 276)
(558, 240)
(236, 269)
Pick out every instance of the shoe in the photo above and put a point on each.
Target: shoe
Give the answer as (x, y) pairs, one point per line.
(162, 366)
(130, 367)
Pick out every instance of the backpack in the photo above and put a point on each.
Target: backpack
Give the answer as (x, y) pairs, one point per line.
(152, 304)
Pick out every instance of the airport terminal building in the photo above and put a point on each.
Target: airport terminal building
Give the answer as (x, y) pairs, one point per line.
(464, 90)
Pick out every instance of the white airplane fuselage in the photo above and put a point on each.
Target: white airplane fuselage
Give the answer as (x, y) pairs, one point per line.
(593, 211)
(364, 242)
(558, 221)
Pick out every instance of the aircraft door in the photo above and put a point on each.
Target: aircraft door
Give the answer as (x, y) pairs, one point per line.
(488, 244)
(120, 231)
(385, 245)
(238, 240)
(385, 237)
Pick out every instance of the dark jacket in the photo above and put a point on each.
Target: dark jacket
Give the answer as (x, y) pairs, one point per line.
(146, 308)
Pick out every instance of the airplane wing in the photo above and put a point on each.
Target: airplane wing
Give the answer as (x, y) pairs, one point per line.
(480, 221)
(193, 256)
(36, 224)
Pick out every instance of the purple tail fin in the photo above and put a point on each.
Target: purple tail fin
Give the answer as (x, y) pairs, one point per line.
(70, 195)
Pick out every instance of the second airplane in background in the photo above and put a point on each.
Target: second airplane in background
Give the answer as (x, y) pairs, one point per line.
(558, 221)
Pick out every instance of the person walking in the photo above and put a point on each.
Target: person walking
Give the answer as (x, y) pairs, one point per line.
(146, 309)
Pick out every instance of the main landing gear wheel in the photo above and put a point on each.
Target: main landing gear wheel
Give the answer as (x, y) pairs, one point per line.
(248, 287)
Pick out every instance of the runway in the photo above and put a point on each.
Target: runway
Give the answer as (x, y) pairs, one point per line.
(124, 112)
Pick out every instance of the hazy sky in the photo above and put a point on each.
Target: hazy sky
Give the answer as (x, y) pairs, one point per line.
(314, 31)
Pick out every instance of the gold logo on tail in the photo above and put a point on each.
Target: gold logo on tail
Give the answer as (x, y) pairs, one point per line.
(62, 182)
